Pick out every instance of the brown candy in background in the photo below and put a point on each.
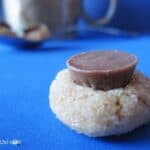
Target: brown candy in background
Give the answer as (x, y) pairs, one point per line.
(102, 70)
(6, 30)
(37, 32)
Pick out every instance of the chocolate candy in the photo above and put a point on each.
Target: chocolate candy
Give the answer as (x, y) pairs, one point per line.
(37, 32)
(5, 29)
(102, 70)
(4, 25)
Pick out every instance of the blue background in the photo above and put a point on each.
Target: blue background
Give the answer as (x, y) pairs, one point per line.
(25, 76)
(132, 15)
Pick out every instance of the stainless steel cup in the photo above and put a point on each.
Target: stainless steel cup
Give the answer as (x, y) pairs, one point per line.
(57, 14)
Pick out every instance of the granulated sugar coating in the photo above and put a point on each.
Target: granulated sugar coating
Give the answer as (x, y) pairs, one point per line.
(101, 113)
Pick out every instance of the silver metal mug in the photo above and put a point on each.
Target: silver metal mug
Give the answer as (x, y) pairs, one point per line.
(59, 15)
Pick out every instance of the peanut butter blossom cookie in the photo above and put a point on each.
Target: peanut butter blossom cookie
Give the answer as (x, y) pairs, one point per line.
(101, 94)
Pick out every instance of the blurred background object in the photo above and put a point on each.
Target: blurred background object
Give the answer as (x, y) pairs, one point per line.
(130, 15)
(58, 15)
(118, 17)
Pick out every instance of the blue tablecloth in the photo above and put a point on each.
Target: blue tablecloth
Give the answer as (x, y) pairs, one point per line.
(25, 76)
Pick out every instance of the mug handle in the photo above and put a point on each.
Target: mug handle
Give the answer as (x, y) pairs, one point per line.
(106, 18)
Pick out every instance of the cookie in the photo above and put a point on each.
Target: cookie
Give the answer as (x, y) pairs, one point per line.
(101, 94)
(99, 113)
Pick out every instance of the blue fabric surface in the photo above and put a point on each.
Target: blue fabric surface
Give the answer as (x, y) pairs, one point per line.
(25, 76)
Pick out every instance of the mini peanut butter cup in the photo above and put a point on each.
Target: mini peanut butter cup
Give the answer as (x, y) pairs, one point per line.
(4, 25)
(6, 30)
(102, 70)
(37, 32)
